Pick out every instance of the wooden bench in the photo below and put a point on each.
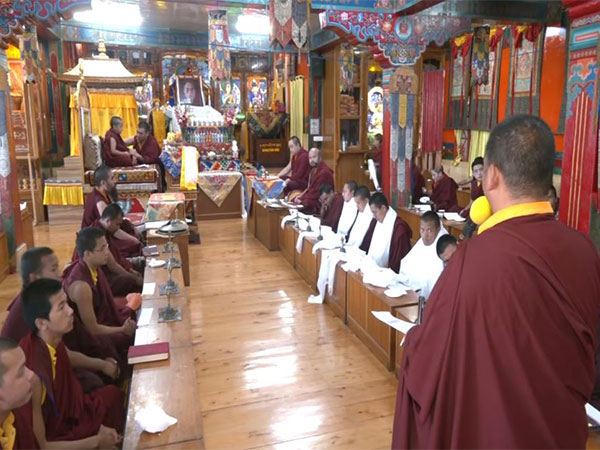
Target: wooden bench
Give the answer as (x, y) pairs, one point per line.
(337, 301)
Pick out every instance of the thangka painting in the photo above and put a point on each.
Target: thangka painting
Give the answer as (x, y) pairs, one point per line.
(375, 113)
(256, 92)
(484, 91)
(219, 59)
(524, 76)
(460, 72)
(231, 94)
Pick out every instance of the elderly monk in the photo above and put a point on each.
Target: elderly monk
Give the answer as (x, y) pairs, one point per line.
(319, 175)
(41, 262)
(105, 193)
(504, 356)
(16, 381)
(422, 267)
(332, 204)
(476, 185)
(145, 144)
(296, 172)
(443, 194)
(90, 295)
(349, 209)
(63, 416)
(122, 276)
(388, 239)
(115, 152)
(446, 247)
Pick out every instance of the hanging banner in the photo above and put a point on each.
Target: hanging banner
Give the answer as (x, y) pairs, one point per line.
(289, 22)
(219, 60)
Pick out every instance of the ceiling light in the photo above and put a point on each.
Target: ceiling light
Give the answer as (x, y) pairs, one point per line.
(253, 24)
(111, 13)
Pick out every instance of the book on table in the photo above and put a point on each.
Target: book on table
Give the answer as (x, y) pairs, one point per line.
(157, 351)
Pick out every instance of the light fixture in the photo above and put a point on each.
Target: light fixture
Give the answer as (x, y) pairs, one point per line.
(113, 13)
(258, 24)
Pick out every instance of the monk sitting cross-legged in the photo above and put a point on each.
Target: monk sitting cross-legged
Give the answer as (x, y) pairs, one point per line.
(145, 144)
(319, 175)
(90, 295)
(296, 172)
(105, 193)
(115, 151)
(63, 416)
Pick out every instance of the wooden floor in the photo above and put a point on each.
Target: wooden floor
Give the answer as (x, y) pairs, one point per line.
(273, 371)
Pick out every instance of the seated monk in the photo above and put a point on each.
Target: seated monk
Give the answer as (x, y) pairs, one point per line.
(145, 144)
(115, 152)
(91, 298)
(422, 267)
(41, 262)
(349, 209)
(16, 381)
(476, 184)
(417, 181)
(105, 193)
(363, 220)
(446, 247)
(63, 416)
(388, 239)
(122, 277)
(332, 204)
(296, 172)
(443, 195)
(319, 175)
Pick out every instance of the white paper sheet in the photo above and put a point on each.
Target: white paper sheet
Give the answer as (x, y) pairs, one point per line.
(456, 217)
(397, 324)
(315, 299)
(592, 413)
(149, 289)
(154, 419)
(145, 317)
(155, 225)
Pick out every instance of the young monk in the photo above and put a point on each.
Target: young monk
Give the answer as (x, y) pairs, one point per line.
(63, 416)
(16, 386)
(145, 144)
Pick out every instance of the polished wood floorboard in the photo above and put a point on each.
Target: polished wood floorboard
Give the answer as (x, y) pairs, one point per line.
(273, 371)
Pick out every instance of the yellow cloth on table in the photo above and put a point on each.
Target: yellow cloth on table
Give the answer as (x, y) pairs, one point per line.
(8, 433)
(159, 126)
(63, 194)
(189, 169)
(103, 107)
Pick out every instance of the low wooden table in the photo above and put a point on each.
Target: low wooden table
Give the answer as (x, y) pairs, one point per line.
(231, 208)
(408, 313)
(337, 301)
(268, 221)
(463, 196)
(376, 335)
(307, 264)
(182, 241)
(287, 243)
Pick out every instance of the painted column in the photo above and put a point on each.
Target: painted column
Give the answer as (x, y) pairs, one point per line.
(579, 187)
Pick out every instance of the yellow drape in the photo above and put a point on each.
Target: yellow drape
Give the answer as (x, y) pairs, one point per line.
(297, 110)
(63, 194)
(103, 107)
(159, 125)
(479, 140)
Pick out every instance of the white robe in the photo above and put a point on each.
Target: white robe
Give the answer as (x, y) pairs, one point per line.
(347, 217)
(379, 250)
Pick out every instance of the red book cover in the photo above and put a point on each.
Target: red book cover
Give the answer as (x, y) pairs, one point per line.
(148, 352)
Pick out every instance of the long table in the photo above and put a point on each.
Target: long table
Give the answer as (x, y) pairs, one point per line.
(413, 219)
(170, 384)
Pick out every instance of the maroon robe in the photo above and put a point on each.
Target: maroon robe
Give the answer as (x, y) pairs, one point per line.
(444, 194)
(150, 150)
(400, 245)
(25, 438)
(68, 413)
(91, 215)
(318, 176)
(300, 171)
(108, 312)
(476, 192)
(331, 216)
(418, 183)
(504, 357)
(119, 160)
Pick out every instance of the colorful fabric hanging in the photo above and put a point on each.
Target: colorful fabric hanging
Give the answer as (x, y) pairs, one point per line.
(219, 60)
(281, 21)
(300, 22)
(480, 58)
(459, 81)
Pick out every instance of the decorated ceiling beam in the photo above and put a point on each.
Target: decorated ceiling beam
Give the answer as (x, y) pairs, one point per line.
(397, 40)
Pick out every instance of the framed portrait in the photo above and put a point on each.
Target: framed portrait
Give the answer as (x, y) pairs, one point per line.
(189, 91)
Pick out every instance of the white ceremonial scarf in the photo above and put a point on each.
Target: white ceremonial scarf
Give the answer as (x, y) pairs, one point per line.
(360, 228)
(379, 250)
(303, 223)
(347, 217)
(421, 267)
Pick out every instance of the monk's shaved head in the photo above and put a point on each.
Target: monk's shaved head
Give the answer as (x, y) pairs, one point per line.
(102, 173)
(6, 344)
(115, 121)
(112, 212)
(522, 149)
(431, 217)
(429, 227)
(437, 172)
(314, 156)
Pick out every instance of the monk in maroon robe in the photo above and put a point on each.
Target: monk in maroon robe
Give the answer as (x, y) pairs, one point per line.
(417, 182)
(476, 184)
(128, 239)
(296, 172)
(443, 195)
(146, 145)
(319, 175)
(115, 152)
(15, 390)
(61, 411)
(90, 296)
(332, 204)
(400, 237)
(504, 356)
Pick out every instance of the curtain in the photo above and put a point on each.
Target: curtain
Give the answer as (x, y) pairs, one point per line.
(64, 194)
(479, 140)
(432, 125)
(297, 109)
(103, 107)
